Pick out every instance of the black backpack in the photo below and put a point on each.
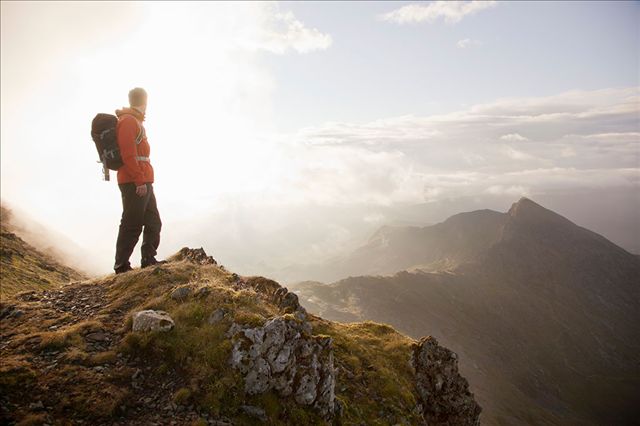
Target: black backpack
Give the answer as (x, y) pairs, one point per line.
(103, 133)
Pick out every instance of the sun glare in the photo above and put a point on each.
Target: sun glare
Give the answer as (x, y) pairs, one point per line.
(208, 99)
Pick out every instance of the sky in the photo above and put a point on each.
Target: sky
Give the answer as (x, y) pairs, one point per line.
(286, 133)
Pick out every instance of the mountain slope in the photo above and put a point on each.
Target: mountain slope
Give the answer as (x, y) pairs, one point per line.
(22, 267)
(543, 313)
(226, 349)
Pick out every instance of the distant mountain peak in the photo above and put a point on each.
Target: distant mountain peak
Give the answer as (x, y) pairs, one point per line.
(524, 204)
(528, 210)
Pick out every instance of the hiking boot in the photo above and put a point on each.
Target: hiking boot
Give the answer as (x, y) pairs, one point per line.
(150, 262)
(123, 269)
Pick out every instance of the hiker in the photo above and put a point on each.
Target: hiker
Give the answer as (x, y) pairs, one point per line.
(135, 180)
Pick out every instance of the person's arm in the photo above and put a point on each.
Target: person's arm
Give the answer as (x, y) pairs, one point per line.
(127, 133)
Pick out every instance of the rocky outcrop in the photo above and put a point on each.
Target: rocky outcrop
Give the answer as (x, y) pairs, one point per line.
(198, 256)
(150, 320)
(444, 394)
(284, 356)
(280, 296)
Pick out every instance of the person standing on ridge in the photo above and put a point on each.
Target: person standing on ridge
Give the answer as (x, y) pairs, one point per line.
(135, 180)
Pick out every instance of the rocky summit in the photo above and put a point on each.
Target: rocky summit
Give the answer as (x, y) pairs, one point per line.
(188, 342)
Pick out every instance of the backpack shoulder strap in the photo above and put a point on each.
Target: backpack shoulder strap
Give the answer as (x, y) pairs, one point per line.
(140, 134)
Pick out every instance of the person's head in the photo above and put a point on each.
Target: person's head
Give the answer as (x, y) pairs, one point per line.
(138, 98)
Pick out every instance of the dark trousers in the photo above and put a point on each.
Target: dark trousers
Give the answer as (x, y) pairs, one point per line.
(137, 212)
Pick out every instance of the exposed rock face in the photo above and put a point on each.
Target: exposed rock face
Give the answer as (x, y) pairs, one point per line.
(444, 393)
(283, 355)
(150, 320)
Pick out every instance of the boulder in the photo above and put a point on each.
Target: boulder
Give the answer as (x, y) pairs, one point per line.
(151, 320)
(444, 394)
(182, 292)
(282, 355)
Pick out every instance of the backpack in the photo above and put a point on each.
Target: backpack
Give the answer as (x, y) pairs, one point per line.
(103, 133)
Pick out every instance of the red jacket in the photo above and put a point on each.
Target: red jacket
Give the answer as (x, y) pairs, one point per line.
(128, 127)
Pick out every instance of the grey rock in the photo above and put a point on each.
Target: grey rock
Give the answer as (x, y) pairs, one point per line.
(233, 329)
(16, 314)
(257, 381)
(151, 320)
(182, 292)
(36, 405)
(282, 357)
(306, 392)
(98, 336)
(203, 291)
(10, 311)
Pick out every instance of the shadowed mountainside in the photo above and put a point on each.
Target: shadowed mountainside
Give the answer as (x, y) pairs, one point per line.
(544, 314)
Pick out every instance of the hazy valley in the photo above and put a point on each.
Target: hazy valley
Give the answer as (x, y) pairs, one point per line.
(543, 313)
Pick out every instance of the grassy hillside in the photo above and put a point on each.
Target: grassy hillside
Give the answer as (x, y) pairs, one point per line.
(70, 355)
(22, 267)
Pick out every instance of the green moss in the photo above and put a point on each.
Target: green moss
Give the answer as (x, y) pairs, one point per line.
(300, 416)
(182, 396)
(248, 318)
(271, 403)
(162, 369)
(378, 359)
(190, 314)
(224, 395)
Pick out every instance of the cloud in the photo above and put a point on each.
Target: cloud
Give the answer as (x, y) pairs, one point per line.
(467, 42)
(374, 218)
(513, 137)
(568, 152)
(569, 145)
(199, 63)
(515, 154)
(320, 184)
(512, 190)
(282, 32)
(451, 11)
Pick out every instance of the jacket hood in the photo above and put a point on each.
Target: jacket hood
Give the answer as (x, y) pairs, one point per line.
(127, 110)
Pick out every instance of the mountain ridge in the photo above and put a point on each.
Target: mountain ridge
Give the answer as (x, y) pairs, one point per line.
(192, 343)
(555, 302)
